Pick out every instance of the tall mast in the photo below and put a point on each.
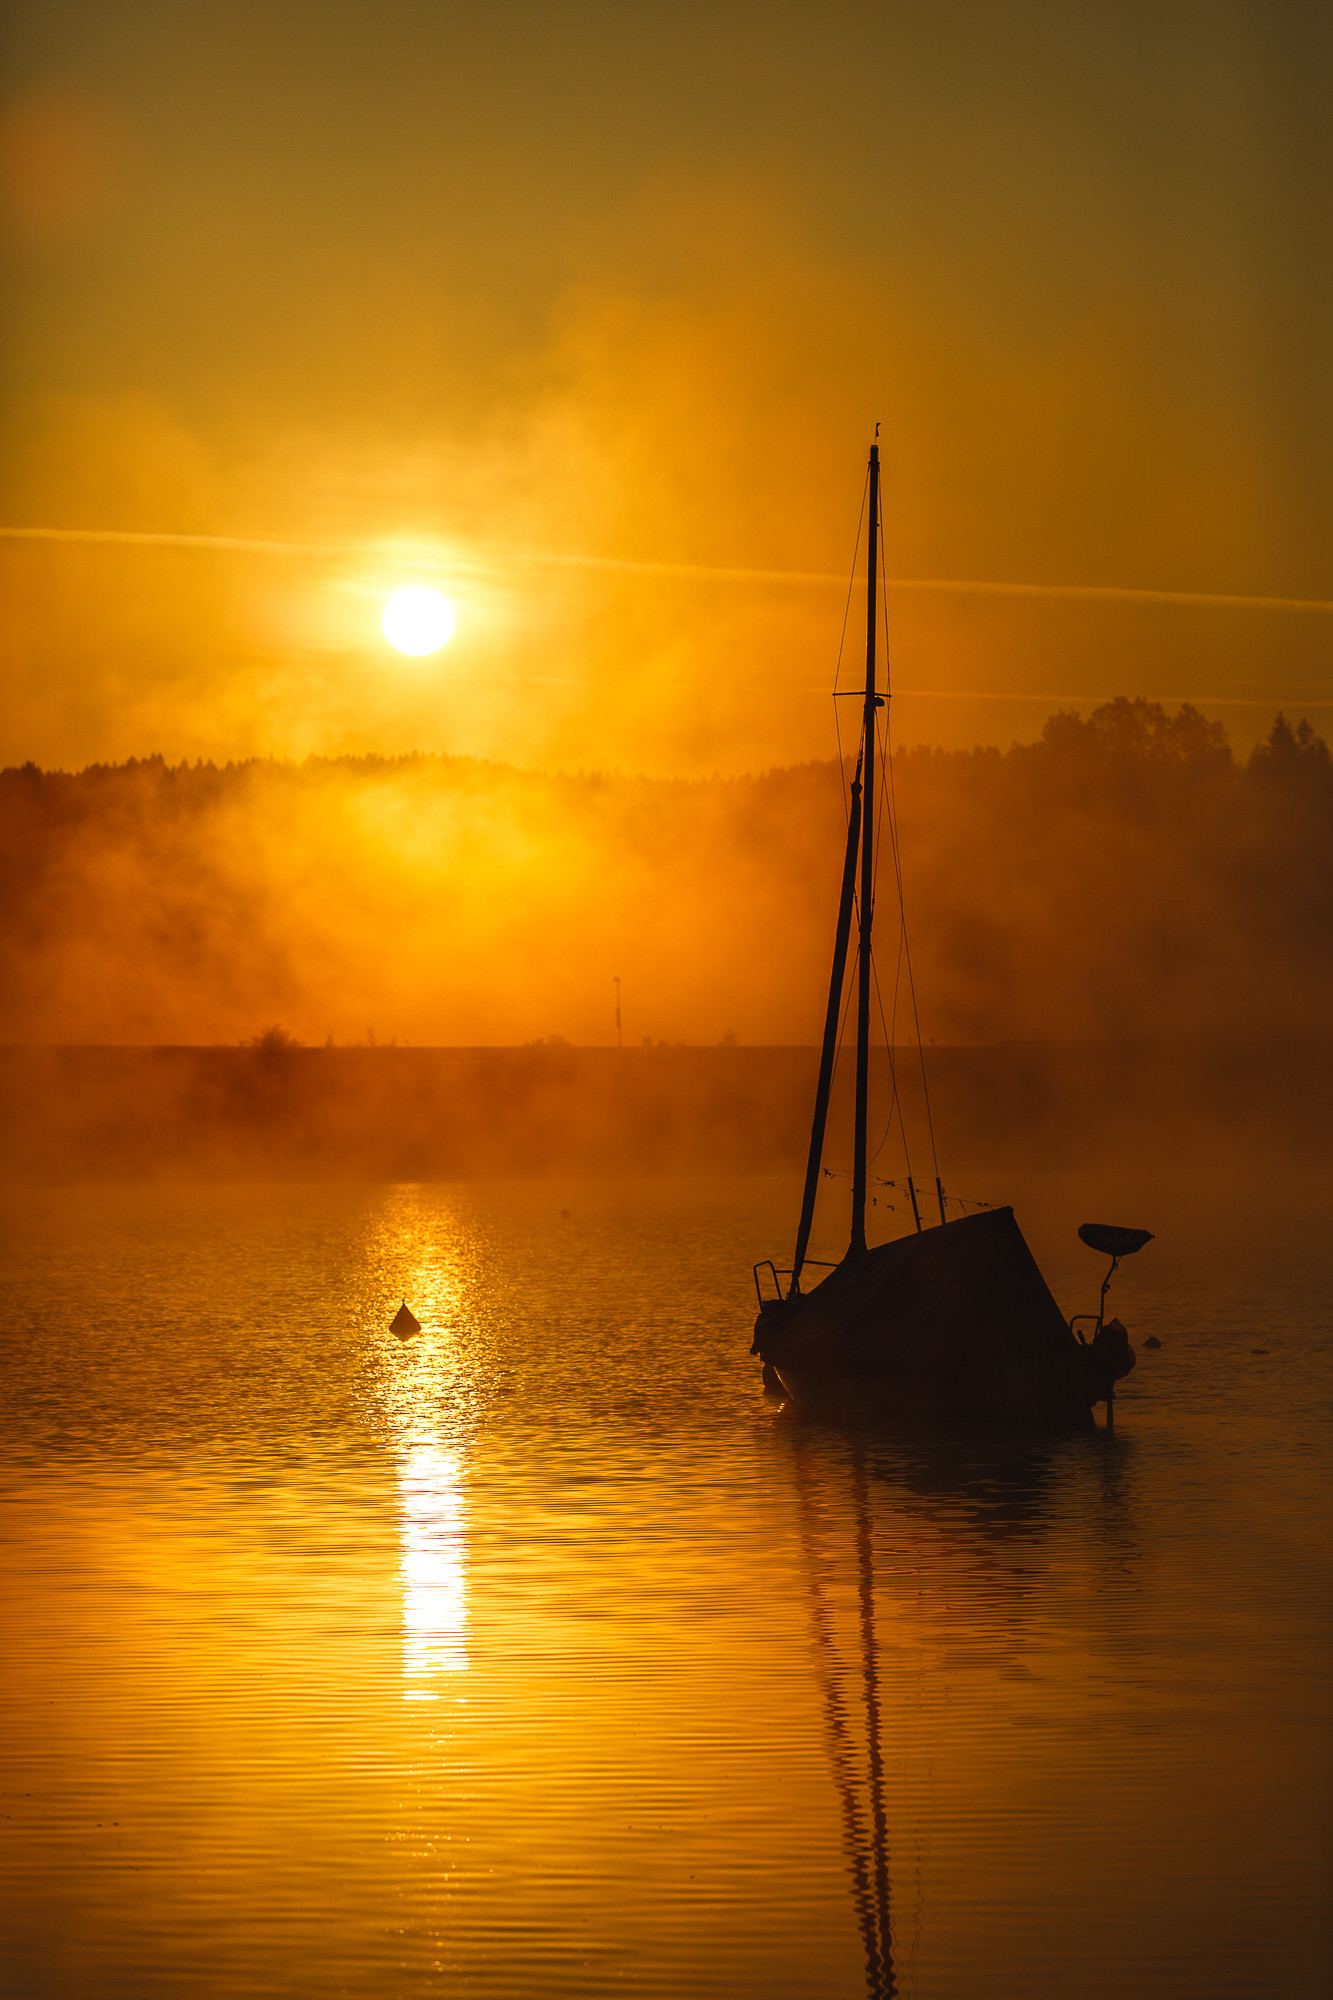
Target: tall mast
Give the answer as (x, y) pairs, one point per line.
(832, 1022)
(858, 1241)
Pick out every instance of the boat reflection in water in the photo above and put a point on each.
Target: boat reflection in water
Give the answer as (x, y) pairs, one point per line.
(433, 1565)
(850, 1697)
(893, 1526)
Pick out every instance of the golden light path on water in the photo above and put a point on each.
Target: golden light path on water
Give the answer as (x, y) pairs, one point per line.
(433, 1565)
(541, 1653)
(426, 1268)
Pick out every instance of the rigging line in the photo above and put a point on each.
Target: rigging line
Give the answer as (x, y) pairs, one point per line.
(842, 641)
(893, 837)
(850, 990)
(877, 527)
(897, 980)
(849, 984)
(907, 1159)
(890, 1032)
(889, 812)
(907, 954)
(893, 1074)
(851, 581)
(886, 775)
(846, 1006)
(894, 1105)
(896, 1100)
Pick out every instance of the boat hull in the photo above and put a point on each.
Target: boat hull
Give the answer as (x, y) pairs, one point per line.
(955, 1320)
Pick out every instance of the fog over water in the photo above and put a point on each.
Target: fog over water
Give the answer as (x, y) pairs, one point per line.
(1125, 877)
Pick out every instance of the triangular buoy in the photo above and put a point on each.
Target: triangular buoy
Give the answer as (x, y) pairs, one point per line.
(404, 1322)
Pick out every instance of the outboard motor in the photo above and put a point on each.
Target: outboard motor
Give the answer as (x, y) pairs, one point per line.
(770, 1310)
(1110, 1356)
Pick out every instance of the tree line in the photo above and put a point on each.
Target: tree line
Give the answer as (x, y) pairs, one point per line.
(1123, 876)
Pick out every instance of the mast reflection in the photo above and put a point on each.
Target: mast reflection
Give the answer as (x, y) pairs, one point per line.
(433, 1565)
(855, 1752)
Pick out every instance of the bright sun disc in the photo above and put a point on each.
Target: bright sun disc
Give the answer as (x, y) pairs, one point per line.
(418, 621)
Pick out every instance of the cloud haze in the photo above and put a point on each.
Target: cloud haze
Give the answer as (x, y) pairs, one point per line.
(448, 293)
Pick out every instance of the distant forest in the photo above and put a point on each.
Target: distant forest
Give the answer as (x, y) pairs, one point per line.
(1124, 876)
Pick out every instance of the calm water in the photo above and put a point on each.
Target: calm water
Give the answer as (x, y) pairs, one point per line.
(543, 1655)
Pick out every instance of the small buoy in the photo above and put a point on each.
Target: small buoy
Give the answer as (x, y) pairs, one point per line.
(405, 1322)
(564, 1215)
(1152, 1341)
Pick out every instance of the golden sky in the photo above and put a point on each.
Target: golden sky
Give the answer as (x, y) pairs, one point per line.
(584, 314)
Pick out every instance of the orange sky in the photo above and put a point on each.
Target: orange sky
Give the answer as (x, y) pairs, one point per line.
(577, 310)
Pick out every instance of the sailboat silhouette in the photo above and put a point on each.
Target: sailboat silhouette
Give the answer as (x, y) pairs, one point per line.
(956, 1318)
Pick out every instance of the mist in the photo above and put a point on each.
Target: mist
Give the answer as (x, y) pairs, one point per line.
(1123, 878)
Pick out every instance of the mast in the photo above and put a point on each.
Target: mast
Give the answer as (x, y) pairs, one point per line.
(831, 1023)
(858, 1242)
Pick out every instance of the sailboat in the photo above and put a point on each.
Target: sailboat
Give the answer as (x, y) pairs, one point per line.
(956, 1318)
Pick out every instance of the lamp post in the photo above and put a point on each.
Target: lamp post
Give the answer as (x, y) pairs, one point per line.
(620, 1039)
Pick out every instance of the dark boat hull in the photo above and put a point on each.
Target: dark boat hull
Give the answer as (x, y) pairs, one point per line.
(955, 1320)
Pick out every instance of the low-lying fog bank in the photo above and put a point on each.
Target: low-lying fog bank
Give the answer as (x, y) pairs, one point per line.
(1124, 879)
(438, 1114)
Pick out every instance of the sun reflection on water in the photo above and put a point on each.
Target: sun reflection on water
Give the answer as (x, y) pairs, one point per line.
(433, 1565)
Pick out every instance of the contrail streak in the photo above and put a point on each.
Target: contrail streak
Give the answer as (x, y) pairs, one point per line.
(1082, 700)
(1111, 593)
(156, 540)
(493, 558)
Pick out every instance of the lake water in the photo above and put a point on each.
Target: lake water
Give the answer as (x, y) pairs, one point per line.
(545, 1655)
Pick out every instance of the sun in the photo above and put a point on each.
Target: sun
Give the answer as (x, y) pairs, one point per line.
(418, 621)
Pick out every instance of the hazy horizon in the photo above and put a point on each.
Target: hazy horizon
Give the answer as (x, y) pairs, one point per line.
(587, 317)
(1125, 876)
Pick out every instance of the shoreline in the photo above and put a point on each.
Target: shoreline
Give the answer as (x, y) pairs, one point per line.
(90, 1112)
